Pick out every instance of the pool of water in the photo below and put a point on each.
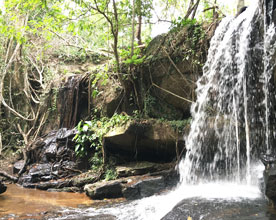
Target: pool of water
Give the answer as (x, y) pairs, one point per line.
(218, 201)
(18, 202)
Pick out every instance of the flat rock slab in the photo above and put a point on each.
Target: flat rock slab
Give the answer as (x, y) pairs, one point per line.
(131, 188)
(140, 168)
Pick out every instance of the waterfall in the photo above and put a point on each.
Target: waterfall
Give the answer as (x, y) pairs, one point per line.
(232, 117)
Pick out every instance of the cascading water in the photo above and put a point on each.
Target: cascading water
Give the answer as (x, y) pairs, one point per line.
(232, 116)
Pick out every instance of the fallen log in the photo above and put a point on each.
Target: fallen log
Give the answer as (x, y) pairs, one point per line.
(10, 177)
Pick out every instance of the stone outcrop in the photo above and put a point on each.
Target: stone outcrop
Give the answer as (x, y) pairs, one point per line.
(152, 141)
(270, 177)
(134, 187)
(50, 158)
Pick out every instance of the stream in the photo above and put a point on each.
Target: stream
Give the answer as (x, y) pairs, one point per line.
(210, 201)
(22, 203)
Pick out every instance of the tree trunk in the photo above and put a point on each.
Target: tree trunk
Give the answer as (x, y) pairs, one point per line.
(139, 27)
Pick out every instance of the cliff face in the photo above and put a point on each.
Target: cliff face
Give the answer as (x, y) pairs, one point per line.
(173, 64)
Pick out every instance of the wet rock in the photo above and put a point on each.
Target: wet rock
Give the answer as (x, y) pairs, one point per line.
(151, 186)
(51, 151)
(270, 177)
(48, 171)
(131, 192)
(268, 160)
(217, 209)
(144, 188)
(65, 133)
(270, 184)
(3, 188)
(43, 155)
(112, 189)
(48, 185)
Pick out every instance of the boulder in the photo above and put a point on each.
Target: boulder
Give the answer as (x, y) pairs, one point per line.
(102, 190)
(144, 188)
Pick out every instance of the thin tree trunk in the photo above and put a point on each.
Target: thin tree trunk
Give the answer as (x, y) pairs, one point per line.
(139, 27)
(139, 30)
(133, 28)
(115, 35)
(195, 9)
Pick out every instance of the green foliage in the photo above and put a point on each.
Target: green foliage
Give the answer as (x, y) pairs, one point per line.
(53, 107)
(90, 136)
(110, 174)
(136, 59)
(182, 22)
(179, 125)
(74, 55)
(101, 76)
(149, 105)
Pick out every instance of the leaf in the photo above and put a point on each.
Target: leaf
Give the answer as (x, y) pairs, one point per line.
(95, 93)
(77, 147)
(85, 128)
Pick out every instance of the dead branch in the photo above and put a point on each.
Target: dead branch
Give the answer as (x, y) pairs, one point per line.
(210, 8)
(167, 91)
(5, 174)
(178, 70)
(2, 85)
(39, 71)
(40, 125)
